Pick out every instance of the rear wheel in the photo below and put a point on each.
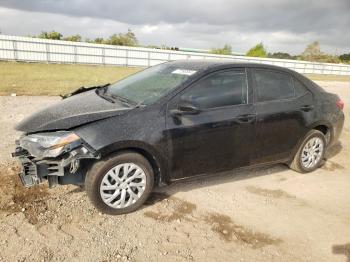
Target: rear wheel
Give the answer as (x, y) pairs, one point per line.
(119, 184)
(311, 152)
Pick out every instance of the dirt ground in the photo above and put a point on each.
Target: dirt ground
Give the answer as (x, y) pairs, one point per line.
(266, 214)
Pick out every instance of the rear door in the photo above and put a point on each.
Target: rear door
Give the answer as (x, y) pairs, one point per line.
(221, 135)
(282, 105)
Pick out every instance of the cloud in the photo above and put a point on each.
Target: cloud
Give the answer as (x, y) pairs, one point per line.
(148, 29)
(282, 25)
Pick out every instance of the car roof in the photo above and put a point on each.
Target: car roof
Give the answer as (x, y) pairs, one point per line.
(211, 65)
(201, 64)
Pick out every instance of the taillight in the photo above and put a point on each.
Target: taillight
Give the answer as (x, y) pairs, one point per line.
(340, 104)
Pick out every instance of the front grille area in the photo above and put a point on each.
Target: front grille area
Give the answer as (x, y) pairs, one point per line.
(29, 175)
(55, 170)
(53, 167)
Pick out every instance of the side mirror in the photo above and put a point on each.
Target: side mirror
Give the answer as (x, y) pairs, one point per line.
(185, 108)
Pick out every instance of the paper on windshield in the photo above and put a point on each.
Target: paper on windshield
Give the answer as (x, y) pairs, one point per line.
(184, 72)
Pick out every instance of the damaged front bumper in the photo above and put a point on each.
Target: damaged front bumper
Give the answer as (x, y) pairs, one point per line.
(69, 168)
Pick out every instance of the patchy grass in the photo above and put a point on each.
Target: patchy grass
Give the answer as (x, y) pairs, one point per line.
(55, 79)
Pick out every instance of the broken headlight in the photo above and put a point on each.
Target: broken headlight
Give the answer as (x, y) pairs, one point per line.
(51, 144)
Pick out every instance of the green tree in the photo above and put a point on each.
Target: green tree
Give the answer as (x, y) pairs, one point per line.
(152, 46)
(73, 38)
(98, 40)
(126, 39)
(313, 53)
(50, 35)
(281, 55)
(226, 50)
(345, 58)
(327, 58)
(257, 51)
(164, 46)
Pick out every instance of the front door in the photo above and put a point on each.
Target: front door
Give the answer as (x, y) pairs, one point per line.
(219, 133)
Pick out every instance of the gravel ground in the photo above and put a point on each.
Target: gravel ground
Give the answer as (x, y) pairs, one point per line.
(266, 214)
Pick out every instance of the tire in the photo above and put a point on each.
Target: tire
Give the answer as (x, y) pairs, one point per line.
(109, 187)
(297, 163)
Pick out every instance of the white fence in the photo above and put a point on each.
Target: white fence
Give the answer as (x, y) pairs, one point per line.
(56, 51)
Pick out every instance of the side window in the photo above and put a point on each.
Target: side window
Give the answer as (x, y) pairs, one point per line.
(219, 89)
(300, 89)
(273, 85)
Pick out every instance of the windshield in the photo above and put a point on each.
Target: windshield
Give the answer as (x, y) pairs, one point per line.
(150, 84)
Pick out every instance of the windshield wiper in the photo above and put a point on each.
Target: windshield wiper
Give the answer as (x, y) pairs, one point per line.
(83, 89)
(140, 104)
(124, 100)
(102, 92)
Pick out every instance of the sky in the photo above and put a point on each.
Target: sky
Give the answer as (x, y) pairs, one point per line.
(282, 25)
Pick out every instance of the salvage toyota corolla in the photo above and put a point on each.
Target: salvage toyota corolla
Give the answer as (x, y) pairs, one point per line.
(174, 121)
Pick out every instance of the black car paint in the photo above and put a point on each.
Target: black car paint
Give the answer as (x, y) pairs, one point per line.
(210, 141)
(71, 112)
(219, 139)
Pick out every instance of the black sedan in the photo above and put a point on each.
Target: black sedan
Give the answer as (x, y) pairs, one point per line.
(177, 120)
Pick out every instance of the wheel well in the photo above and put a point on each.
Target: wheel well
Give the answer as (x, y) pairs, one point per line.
(326, 131)
(150, 158)
(322, 128)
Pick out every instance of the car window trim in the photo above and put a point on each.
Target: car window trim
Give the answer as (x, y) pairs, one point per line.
(244, 69)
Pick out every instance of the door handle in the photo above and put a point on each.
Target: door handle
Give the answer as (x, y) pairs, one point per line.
(247, 118)
(307, 108)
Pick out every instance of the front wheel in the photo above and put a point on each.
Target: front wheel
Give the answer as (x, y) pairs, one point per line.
(311, 152)
(119, 184)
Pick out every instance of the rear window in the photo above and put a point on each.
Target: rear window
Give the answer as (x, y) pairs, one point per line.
(300, 89)
(273, 85)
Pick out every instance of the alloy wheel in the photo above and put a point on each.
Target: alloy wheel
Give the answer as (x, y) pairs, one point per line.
(312, 152)
(123, 185)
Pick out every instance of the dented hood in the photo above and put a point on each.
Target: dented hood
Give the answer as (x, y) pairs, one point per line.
(71, 112)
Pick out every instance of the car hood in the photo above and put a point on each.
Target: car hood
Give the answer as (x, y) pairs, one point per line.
(71, 112)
